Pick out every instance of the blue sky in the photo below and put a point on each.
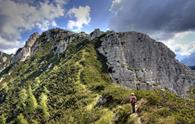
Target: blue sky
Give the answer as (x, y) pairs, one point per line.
(171, 22)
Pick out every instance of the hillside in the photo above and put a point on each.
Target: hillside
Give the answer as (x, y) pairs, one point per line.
(63, 78)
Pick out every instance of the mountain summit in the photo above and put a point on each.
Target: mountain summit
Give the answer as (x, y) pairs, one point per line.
(67, 77)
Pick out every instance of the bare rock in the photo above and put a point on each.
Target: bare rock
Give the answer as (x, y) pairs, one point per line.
(96, 33)
(4, 60)
(23, 53)
(139, 62)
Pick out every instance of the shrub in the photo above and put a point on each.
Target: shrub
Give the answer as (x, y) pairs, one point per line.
(122, 113)
(181, 119)
(43, 103)
(164, 112)
(152, 118)
(22, 97)
(21, 119)
(31, 101)
(2, 119)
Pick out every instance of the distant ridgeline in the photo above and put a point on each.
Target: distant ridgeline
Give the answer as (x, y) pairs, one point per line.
(76, 78)
(192, 67)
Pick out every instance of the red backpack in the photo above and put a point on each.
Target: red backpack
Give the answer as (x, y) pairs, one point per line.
(133, 99)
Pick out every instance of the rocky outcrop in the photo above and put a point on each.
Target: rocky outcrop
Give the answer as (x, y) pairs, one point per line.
(136, 61)
(4, 60)
(57, 38)
(96, 33)
(23, 53)
(60, 39)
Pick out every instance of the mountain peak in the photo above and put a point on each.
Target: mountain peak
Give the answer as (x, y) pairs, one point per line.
(96, 33)
(66, 77)
(32, 39)
(23, 53)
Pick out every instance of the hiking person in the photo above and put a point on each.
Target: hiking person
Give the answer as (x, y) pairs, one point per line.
(133, 100)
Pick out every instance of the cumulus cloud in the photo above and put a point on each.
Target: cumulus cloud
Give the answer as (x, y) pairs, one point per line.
(9, 46)
(169, 21)
(81, 15)
(17, 16)
(153, 15)
(182, 43)
(190, 60)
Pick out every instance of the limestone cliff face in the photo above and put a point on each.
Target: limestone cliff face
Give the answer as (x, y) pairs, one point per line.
(139, 62)
(23, 53)
(4, 60)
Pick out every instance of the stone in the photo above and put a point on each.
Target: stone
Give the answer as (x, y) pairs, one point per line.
(4, 60)
(96, 33)
(139, 62)
(23, 53)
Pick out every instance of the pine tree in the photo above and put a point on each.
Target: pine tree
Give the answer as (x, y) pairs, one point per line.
(43, 103)
(31, 101)
(21, 119)
(2, 119)
(23, 97)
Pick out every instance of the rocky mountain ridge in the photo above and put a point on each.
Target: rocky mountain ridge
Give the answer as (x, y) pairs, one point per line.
(4, 60)
(23, 53)
(139, 62)
(64, 77)
(134, 59)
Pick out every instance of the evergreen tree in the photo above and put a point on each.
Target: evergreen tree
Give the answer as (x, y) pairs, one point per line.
(2, 119)
(22, 97)
(31, 101)
(21, 119)
(43, 103)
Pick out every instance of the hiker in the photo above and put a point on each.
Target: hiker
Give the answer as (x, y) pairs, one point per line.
(133, 100)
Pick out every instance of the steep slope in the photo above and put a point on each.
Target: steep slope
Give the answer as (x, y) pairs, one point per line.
(66, 80)
(23, 53)
(4, 60)
(139, 62)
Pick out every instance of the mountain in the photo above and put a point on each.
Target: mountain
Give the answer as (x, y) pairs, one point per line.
(64, 77)
(23, 53)
(4, 60)
(139, 62)
(192, 67)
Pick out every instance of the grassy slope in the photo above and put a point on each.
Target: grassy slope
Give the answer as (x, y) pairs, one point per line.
(69, 93)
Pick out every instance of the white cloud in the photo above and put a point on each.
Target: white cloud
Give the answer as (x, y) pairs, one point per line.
(182, 44)
(9, 46)
(81, 15)
(10, 50)
(115, 6)
(18, 17)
